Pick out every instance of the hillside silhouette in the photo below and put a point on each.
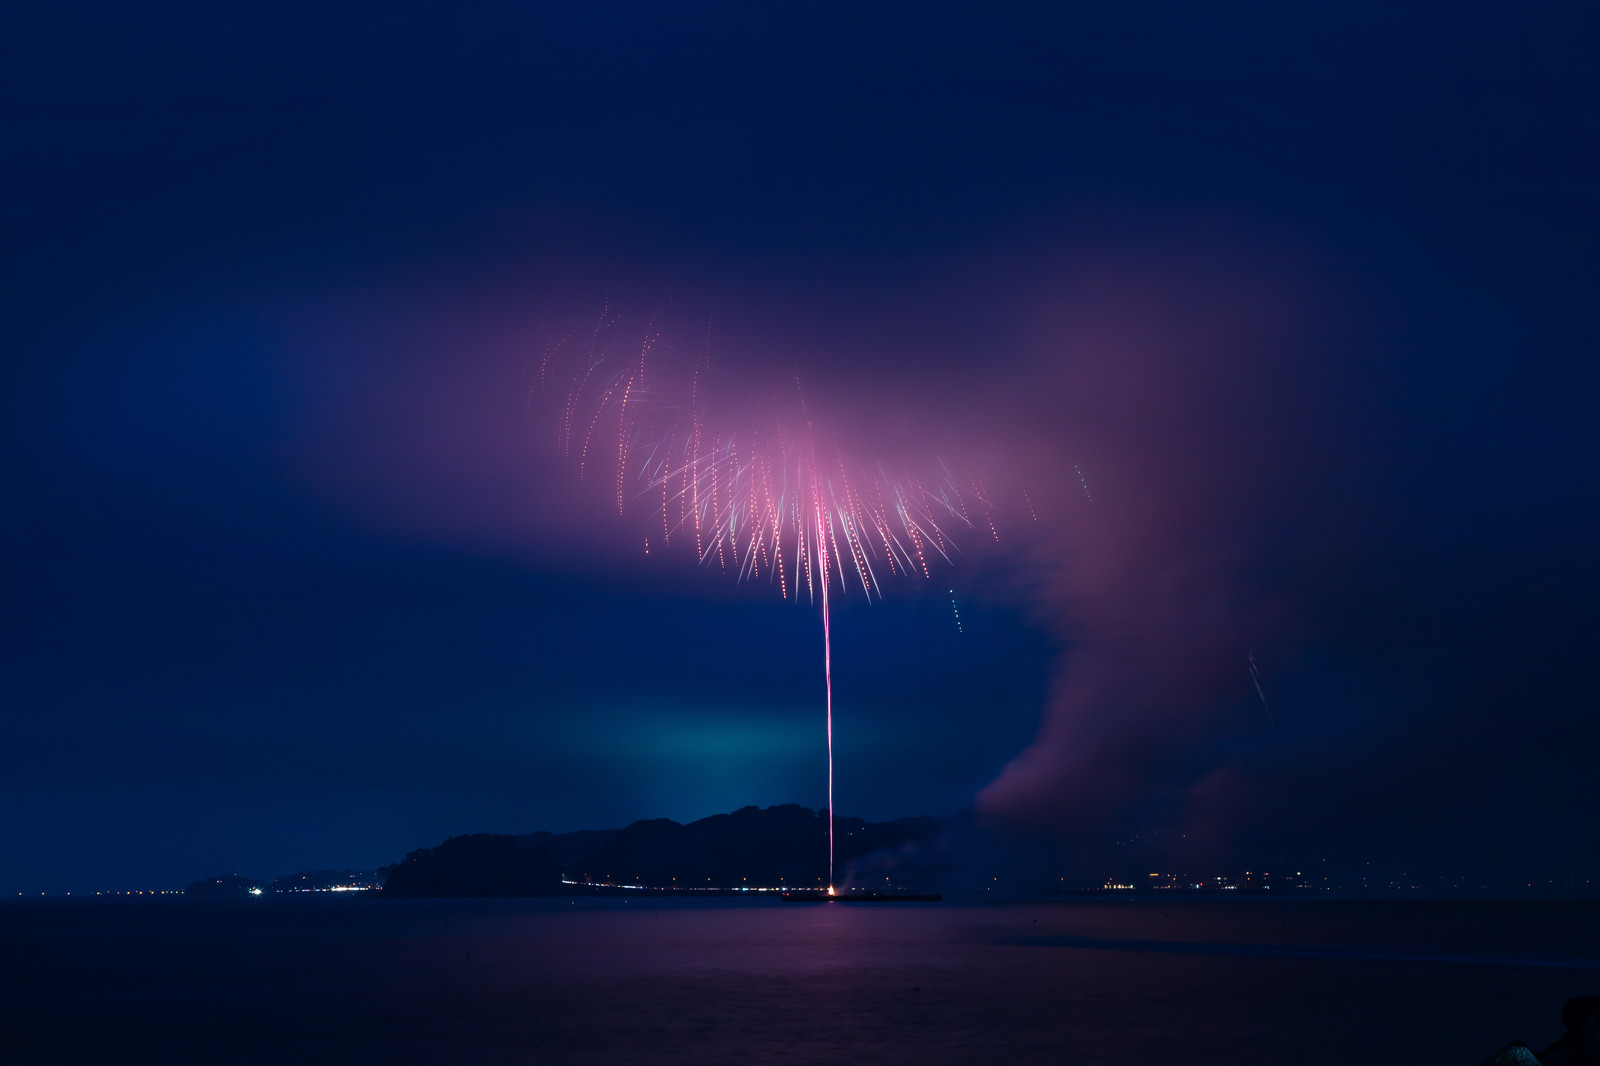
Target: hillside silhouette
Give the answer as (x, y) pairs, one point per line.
(777, 846)
(482, 864)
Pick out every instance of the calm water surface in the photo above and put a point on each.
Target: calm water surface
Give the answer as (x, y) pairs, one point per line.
(529, 981)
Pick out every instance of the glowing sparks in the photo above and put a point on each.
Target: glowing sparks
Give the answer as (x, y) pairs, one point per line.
(766, 495)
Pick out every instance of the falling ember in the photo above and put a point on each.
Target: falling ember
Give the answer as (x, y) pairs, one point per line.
(1255, 676)
(1082, 482)
(770, 496)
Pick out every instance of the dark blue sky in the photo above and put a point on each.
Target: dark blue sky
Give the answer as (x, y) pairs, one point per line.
(294, 579)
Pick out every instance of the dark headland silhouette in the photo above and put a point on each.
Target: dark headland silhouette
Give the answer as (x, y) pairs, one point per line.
(783, 846)
(480, 864)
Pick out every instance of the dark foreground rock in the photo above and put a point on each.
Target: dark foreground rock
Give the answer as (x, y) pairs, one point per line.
(482, 864)
(1578, 1046)
(1512, 1055)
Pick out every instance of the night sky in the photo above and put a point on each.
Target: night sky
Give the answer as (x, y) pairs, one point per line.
(1282, 316)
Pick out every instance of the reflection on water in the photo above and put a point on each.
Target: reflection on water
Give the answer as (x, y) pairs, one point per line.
(401, 981)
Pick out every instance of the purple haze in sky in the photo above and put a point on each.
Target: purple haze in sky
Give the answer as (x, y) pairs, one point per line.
(1168, 426)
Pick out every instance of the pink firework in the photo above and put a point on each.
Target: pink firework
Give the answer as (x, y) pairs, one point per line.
(757, 489)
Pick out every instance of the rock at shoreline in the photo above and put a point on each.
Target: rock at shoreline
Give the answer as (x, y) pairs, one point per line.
(1579, 1046)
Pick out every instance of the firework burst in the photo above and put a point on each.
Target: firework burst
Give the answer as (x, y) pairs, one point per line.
(753, 487)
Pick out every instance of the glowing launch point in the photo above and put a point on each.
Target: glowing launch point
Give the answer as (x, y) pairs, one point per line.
(816, 895)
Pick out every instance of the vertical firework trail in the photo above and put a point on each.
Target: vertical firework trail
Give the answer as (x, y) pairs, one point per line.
(752, 481)
(827, 639)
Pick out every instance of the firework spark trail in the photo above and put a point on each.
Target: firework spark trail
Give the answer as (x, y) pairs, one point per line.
(827, 647)
(761, 491)
(634, 379)
(983, 498)
(1255, 676)
(1083, 482)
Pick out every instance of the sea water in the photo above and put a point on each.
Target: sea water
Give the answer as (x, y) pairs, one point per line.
(357, 980)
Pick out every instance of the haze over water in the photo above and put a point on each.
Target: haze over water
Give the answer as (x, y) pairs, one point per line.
(491, 981)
